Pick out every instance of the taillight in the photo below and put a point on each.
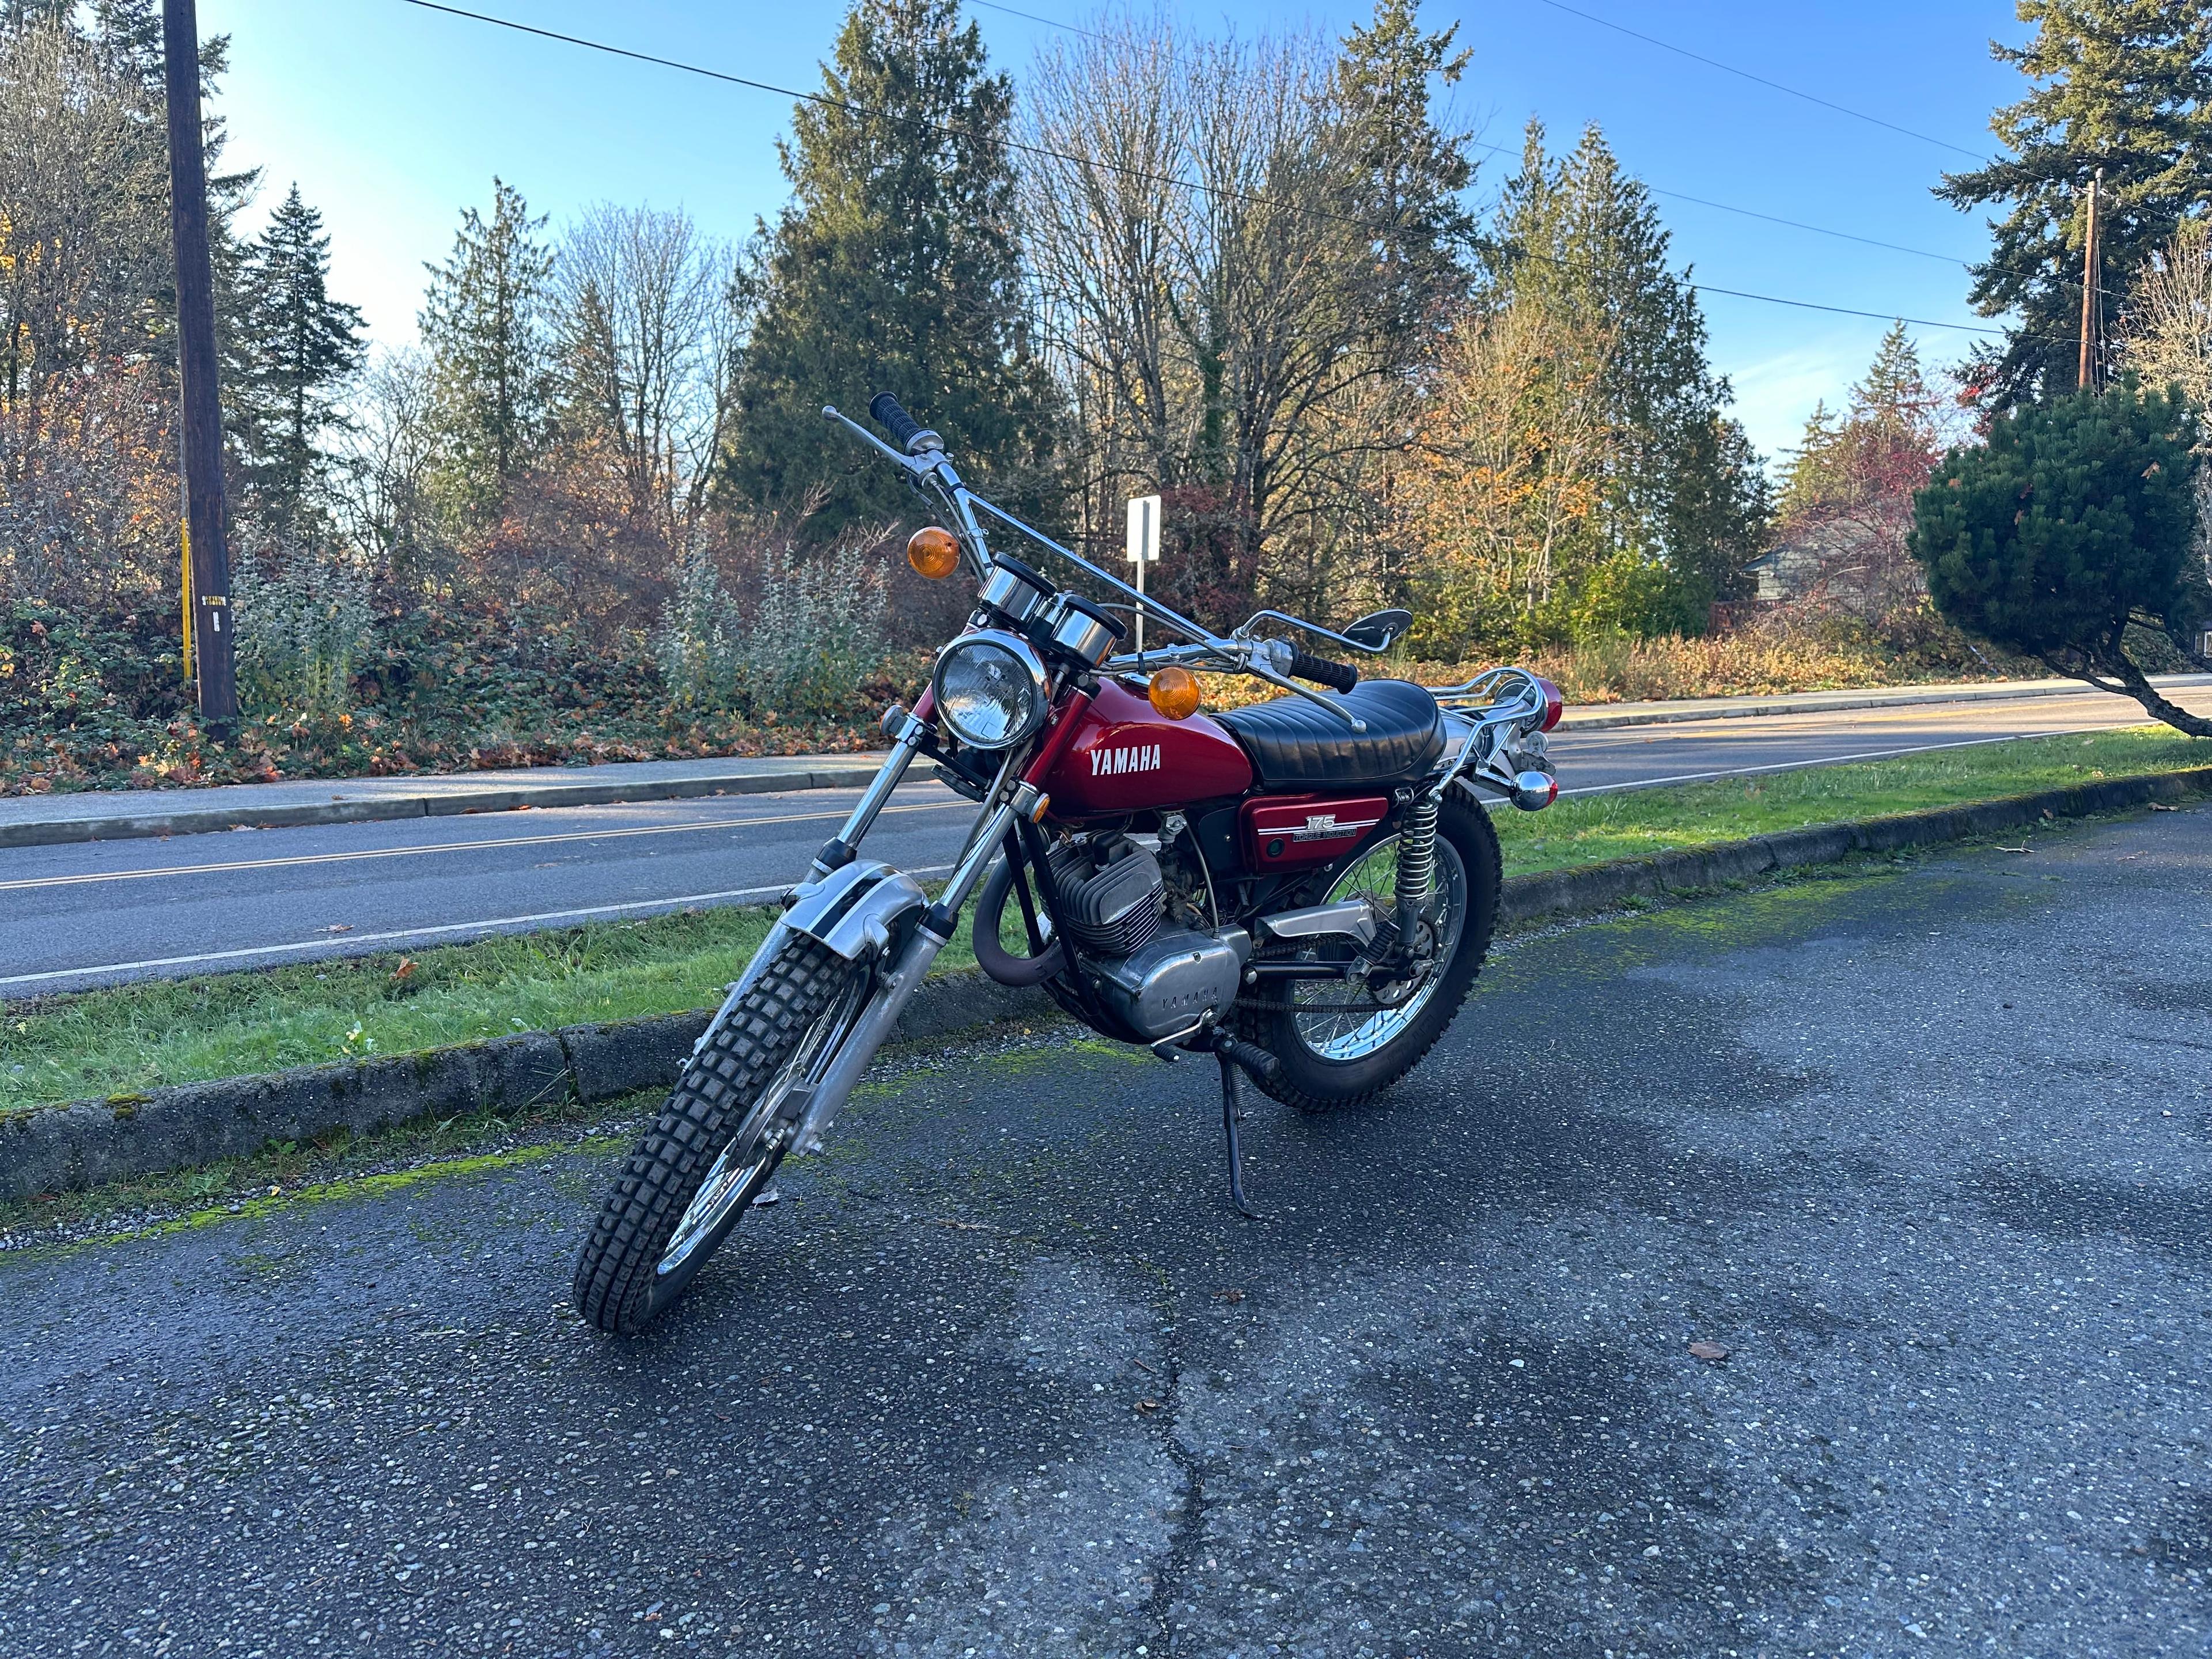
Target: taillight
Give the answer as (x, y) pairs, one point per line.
(1555, 704)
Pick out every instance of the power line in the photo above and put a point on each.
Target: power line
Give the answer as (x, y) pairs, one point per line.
(1504, 149)
(1030, 16)
(1061, 156)
(1730, 69)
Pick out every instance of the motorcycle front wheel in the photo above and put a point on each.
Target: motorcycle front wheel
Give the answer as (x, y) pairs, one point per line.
(1341, 1042)
(718, 1141)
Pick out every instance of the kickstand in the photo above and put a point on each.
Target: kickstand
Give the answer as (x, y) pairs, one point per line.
(1232, 1109)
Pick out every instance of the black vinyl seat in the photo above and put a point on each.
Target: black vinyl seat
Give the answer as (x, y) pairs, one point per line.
(1294, 746)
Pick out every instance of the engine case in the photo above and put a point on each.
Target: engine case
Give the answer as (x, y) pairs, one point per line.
(1181, 976)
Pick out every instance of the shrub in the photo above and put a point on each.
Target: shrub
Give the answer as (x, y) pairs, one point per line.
(2068, 527)
(304, 619)
(815, 637)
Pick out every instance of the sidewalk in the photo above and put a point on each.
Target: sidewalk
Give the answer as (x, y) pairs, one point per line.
(109, 815)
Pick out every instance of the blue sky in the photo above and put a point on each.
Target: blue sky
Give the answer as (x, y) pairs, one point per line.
(390, 118)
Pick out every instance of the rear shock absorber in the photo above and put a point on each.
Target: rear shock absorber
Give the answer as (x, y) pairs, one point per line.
(1417, 868)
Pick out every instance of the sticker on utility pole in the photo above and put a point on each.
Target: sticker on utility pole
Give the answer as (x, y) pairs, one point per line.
(1144, 547)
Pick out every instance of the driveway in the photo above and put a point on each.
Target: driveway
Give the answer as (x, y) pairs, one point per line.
(1925, 1152)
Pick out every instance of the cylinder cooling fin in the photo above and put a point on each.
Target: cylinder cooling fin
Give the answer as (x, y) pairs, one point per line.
(1111, 893)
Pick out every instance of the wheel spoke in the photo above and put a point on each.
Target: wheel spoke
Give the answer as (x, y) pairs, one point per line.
(749, 1160)
(1340, 1033)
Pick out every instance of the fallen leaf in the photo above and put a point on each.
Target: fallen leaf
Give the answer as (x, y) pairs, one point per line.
(2156, 807)
(404, 970)
(966, 1226)
(1711, 1351)
(1148, 1405)
(339, 927)
(1229, 1295)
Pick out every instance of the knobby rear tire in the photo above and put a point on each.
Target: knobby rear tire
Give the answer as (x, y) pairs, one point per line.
(1313, 1084)
(619, 1285)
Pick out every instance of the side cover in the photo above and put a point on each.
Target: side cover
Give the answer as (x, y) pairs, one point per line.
(1286, 832)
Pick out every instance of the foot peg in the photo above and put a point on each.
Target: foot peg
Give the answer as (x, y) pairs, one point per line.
(1254, 1060)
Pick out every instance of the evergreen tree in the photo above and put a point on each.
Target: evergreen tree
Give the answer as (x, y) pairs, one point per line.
(2124, 85)
(296, 347)
(895, 269)
(1683, 489)
(485, 323)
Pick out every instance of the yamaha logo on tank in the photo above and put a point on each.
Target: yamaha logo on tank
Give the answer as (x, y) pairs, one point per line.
(1112, 763)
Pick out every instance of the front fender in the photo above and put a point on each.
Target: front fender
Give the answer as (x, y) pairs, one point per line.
(857, 910)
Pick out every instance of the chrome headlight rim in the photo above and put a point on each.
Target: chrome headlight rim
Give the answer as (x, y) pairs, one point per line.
(1036, 682)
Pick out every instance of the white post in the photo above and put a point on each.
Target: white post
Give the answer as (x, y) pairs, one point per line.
(1144, 547)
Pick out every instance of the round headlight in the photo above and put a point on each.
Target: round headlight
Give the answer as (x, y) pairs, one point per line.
(991, 690)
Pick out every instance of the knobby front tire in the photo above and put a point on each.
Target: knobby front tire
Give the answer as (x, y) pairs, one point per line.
(724, 1124)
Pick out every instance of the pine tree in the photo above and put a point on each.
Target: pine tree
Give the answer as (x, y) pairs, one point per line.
(297, 347)
(895, 269)
(2124, 87)
(485, 323)
(1683, 488)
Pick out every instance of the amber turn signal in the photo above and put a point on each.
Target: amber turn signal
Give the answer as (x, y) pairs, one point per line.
(1174, 693)
(933, 552)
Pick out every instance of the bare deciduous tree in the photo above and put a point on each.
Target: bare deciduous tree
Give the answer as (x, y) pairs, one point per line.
(389, 450)
(646, 340)
(1244, 250)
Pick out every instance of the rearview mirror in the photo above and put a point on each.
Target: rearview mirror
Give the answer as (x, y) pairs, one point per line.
(1377, 631)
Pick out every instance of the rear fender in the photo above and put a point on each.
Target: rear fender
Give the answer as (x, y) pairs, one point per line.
(856, 911)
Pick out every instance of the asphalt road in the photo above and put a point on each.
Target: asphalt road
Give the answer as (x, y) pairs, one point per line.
(95, 913)
(1926, 1152)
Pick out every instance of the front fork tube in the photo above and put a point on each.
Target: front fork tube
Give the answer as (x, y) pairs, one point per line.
(840, 851)
(896, 987)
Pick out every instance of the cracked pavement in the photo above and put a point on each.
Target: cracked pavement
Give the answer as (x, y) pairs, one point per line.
(1925, 1151)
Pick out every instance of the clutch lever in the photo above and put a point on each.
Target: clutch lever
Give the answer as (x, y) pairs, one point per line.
(1309, 695)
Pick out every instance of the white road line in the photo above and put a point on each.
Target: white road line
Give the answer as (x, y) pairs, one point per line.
(689, 825)
(734, 896)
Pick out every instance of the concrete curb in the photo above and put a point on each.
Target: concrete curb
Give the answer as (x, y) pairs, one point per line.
(428, 803)
(89, 1142)
(92, 1141)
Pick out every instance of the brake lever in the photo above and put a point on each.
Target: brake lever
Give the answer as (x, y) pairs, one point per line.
(913, 464)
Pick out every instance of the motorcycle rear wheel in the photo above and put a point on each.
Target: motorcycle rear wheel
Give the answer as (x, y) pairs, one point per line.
(1331, 1057)
(719, 1140)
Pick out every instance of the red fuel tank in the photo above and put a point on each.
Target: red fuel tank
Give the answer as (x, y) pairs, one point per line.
(1126, 757)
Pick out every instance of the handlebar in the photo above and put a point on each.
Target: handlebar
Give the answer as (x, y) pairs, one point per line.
(1337, 676)
(901, 425)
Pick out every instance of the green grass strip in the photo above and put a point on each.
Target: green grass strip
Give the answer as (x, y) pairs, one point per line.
(135, 1037)
(1637, 823)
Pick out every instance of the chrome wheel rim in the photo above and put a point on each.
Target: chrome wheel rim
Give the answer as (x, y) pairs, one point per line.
(752, 1154)
(1343, 1035)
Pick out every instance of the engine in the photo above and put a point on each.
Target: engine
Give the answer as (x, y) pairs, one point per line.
(1159, 979)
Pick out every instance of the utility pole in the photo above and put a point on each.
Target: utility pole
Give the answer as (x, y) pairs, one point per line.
(2085, 376)
(208, 622)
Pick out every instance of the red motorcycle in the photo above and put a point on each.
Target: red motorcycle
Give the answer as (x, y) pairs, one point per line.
(1304, 889)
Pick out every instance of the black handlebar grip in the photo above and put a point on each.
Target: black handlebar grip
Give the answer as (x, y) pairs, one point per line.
(893, 419)
(1337, 676)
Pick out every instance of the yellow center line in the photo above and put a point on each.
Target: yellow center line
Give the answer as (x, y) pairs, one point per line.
(688, 825)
